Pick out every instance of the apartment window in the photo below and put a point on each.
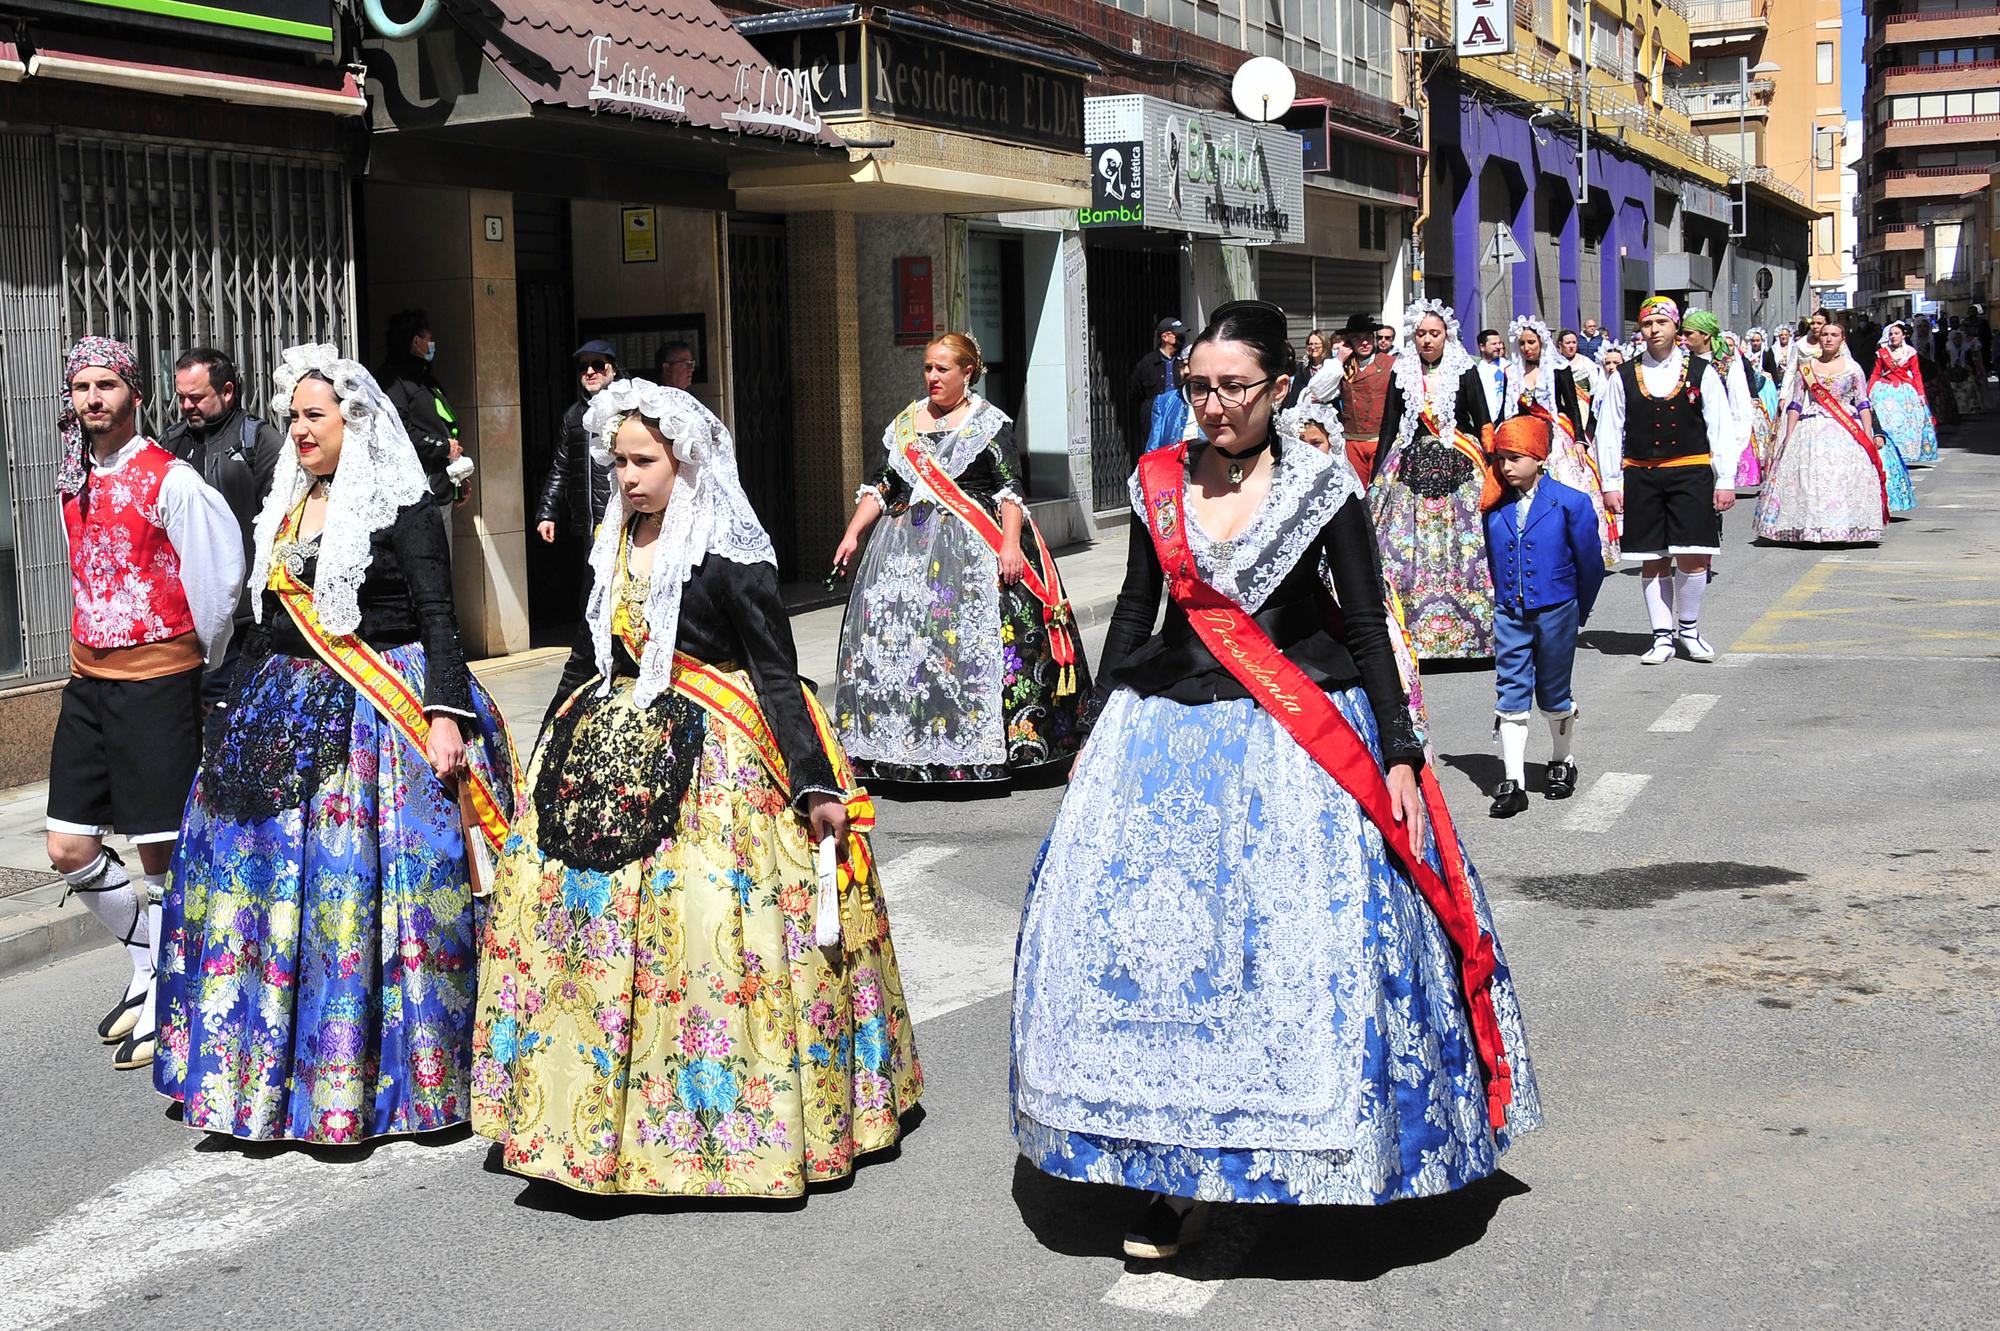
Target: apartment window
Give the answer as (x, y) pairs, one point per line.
(1824, 142)
(1576, 31)
(1823, 235)
(1823, 61)
(1545, 20)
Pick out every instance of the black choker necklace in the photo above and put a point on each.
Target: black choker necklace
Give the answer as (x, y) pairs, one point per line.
(1236, 460)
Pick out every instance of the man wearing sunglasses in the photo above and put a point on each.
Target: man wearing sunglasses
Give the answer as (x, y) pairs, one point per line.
(577, 487)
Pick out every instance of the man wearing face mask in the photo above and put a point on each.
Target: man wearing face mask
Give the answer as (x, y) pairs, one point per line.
(235, 453)
(407, 381)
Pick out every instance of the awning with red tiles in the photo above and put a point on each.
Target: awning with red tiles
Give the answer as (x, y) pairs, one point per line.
(677, 61)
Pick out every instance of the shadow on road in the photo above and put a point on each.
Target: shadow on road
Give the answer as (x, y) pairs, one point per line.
(1484, 770)
(1612, 642)
(1257, 1242)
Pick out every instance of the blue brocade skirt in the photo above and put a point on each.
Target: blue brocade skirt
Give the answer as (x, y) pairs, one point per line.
(1226, 990)
(318, 963)
(1901, 414)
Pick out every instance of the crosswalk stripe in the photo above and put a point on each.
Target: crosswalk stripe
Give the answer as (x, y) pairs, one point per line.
(1685, 713)
(1608, 797)
(954, 946)
(1162, 1293)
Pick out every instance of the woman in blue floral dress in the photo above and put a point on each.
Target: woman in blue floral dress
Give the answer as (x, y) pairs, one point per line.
(1227, 987)
(318, 966)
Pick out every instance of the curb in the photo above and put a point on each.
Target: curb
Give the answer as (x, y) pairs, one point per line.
(48, 935)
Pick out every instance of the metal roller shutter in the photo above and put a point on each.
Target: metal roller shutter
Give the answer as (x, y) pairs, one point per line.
(1319, 293)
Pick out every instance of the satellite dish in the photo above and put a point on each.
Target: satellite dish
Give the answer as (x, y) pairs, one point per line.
(1263, 88)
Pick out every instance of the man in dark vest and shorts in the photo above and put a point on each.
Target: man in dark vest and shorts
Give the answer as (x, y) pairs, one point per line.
(1669, 461)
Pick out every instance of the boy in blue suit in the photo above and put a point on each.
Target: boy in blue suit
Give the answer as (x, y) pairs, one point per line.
(1541, 540)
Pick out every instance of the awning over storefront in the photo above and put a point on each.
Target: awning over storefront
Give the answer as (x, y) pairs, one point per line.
(12, 68)
(591, 98)
(244, 81)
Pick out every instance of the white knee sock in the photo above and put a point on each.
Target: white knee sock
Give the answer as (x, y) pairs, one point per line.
(1562, 729)
(1688, 588)
(156, 892)
(108, 894)
(1513, 732)
(1658, 608)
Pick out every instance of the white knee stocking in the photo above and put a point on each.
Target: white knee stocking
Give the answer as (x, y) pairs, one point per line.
(1562, 730)
(1688, 588)
(1659, 610)
(1512, 728)
(108, 894)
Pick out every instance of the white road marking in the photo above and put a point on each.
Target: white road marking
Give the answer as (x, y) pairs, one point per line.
(1162, 1293)
(1607, 798)
(954, 946)
(189, 1205)
(1685, 713)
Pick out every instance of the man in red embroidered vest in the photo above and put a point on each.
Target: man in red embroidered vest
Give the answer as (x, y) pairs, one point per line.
(156, 562)
(1370, 372)
(1668, 455)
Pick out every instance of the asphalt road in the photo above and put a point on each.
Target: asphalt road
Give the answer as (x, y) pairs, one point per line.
(1757, 956)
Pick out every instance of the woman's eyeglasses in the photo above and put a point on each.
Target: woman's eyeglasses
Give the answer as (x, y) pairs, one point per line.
(1195, 392)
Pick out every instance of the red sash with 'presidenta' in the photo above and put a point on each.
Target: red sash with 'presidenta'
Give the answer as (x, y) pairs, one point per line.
(1310, 717)
(1043, 583)
(1837, 410)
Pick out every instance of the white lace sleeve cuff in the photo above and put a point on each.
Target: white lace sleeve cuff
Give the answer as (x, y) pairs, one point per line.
(1010, 496)
(873, 492)
(449, 711)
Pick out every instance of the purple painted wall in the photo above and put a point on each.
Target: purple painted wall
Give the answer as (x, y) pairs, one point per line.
(1536, 157)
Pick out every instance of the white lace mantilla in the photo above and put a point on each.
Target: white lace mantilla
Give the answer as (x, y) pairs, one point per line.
(1307, 489)
(1439, 390)
(955, 450)
(379, 476)
(707, 513)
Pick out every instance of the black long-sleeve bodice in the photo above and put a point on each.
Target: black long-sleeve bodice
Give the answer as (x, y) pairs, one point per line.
(405, 598)
(991, 472)
(1338, 643)
(733, 614)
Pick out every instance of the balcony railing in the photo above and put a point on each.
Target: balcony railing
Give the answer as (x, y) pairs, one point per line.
(1704, 98)
(1940, 69)
(1897, 23)
(1702, 14)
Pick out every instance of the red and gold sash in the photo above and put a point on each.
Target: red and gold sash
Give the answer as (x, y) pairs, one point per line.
(1831, 404)
(1310, 717)
(400, 704)
(1044, 583)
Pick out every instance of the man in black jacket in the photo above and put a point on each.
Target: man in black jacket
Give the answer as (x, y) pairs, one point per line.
(1152, 376)
(235, 453)
(577, 487)
(1482, 389)
(406, 379)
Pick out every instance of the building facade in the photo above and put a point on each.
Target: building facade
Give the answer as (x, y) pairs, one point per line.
(172, 176)
(1567, 177)
(1931, 136)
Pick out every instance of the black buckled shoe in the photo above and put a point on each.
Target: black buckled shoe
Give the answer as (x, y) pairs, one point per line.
(1508, 800)
(1561, 781)
(1162, 1229)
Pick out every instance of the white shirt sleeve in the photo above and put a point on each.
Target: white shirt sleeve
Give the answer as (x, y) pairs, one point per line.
(1720, 414)
(1610, 408)
(209, 546)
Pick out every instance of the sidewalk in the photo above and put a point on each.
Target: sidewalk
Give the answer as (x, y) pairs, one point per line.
(35, 929)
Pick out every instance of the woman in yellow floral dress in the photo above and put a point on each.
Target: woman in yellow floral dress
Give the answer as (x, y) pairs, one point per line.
(656, 1014)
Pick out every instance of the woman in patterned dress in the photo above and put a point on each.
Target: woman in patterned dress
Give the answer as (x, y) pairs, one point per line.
(319, 961)
(1227, 986)
(1896, 395)
(958, 660)
(1426, 494)
(660, 1008)
(1827, 483)
(1540, 381)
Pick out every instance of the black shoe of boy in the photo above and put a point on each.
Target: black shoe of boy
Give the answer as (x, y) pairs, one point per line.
(1561, 781)
(1508, 800)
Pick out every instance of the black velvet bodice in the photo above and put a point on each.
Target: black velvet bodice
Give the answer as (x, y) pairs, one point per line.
(733, 615)
(1338, 645)
(406, 597)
